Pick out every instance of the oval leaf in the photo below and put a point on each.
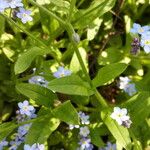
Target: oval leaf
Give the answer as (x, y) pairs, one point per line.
(41, 95)
(108, 73)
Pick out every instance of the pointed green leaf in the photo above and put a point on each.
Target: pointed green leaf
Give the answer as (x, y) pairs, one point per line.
(72, 85)
(41, 95)
(41, 130)
(67, 113)
(25, 60)
(108, 73)
(120, 133)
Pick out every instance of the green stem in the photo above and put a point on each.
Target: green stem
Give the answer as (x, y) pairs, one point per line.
(48, 12)
(33, 37)
(138, 147)
(71, 32)
(72, 5)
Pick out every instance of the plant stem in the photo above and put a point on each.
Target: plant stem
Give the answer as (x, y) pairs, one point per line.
(72, 5)
(71, 32)
(33, 37)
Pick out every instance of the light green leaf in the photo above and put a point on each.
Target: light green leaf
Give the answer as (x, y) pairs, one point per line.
(41, 130)
(120, 133)
(97, 9)
(72, 85)
(137, 105)
(41, 95)
(75, 65)
(93, 29)
(25, 60)
(6, 129)
(67, 113)
(108, 73)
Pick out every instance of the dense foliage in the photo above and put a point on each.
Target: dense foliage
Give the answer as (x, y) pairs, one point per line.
(74, 74)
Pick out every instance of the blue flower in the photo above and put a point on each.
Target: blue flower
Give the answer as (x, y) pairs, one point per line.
(24, 15)
(22, 130)
(25, 108)
(39, 80)
(137, 28)
(35, 146)
(14, 3)
(109, 146)
(62, 72)
(84, 131)
(145, 42)
(125, 85)
(85, 143)
(3, 143)
(3, 5)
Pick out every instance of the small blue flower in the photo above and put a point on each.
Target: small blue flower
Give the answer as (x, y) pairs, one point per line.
(85, 143)
(14, 3)
(137, 28)
(24, 15)
(35, 146)
(145, 42)
(3, 143)
(130, 89)
(62, 72)
(39, 80)
(25, 108)
(109, 146)
(22, 130)
(126, 86)
(3, 5)
(14, 145)
(84, 131)
(84, 118)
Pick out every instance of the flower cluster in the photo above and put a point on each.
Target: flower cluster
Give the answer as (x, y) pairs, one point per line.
(39, 80)
(120, 115)
(35, 146)
(143, 33)
(126, 85)
(24, 113)
(23, 14)
(62, 72)
(109, 146)
(85, 141)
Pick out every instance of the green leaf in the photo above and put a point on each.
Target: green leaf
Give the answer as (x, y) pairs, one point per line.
(110, 55)
(96, 9)
(95, 131)
(137, 105)
(2, 25)
(6, 129)
(41, 95)
(25, 60)
(67, 113)
(72, 85)
(120, 133)
(108, 73)
(75, 65)
(41, 130)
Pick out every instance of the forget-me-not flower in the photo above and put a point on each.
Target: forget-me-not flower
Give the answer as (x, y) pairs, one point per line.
(3, 5)
(145, 42)
(35, 146)
(137, 28)
(84, 131)
(24, 15)
(22, 130)
(3, 143)
(25, 108)
(84, 118)
(124, 84)
(85, 143)
(62, 72)
(120, 115)
(109, 146)
(39, 80)
(14, 3)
